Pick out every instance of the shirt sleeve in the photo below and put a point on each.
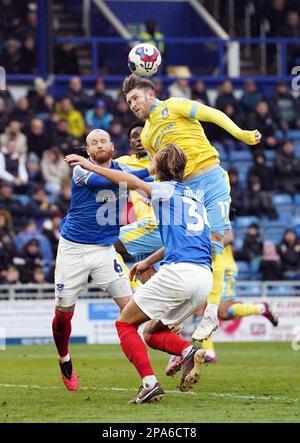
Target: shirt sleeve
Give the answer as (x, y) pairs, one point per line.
(82, 177)
(140, 173)
(185, 108)
(161, 191)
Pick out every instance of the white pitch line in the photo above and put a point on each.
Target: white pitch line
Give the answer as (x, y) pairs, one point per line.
(212, 394)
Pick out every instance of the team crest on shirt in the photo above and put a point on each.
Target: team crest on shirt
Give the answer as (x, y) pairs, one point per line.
(60, 286)
(165, 113)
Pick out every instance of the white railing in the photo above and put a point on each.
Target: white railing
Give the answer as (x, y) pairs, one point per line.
(244, 289)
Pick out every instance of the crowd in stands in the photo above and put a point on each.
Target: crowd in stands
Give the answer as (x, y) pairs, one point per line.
(18, 36)
(39, 129)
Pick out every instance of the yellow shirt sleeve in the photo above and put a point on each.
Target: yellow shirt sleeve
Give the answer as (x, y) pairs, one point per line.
(207, 114)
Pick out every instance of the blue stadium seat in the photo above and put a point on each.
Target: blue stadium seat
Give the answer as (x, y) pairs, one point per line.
(24, 199)
(246, 220)
(277, 223)
(294, 134)
(278, 291)
(279, 135)
(282, 199)
(274, 234)
(237, 156)
(270, 155)
(297, 200)
(221, 150)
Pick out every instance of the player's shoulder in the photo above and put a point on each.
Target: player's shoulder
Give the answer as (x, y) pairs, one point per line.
(81, 175)
(124, 159)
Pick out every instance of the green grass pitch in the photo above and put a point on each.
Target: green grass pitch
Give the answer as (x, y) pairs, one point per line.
(252, 382)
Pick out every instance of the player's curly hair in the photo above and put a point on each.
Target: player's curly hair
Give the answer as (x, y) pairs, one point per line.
(134, 81)
(170, 163)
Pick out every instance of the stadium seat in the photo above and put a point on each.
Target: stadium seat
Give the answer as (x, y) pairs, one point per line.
(24, 199)
(294, 134)
(246, 220)
(283, 202)
(237, 156)
(270, 155)
(297, 200)
(274, 234)
(279, 291)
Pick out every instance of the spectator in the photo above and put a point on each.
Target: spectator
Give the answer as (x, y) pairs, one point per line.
(35, 177)
(180, 87)
(199, 92)
(3, 115)
(37, 95)
(39, 208)
(159, 89)
(151, 36)
(123, 114)
(22, 112)
(100, 94)
(274, 13)
(6, 223)
(262, 120)
(13, 132)
(66, 61)
(118, 138)
(8, 101)
(98, 117)
(226, 96)
(30, 26)
(12, 166)
(291, 29)
(63, 139)
(54, 169)
(51, 229)
(237, 192)
(262, 172)
(289, 251)
(31, 231)
(66, 111)
(8, 252)
(250, 98)
(252, 248)
(284, 106)
(11, 57)
(29, 51)
(77, 95)
(10, 17)
(258, 202)
(287, 168)
(62, 203)
(270, 266)
(37, 139)
(39, 276)
(10, 203)
(10, 276)
(32, 258)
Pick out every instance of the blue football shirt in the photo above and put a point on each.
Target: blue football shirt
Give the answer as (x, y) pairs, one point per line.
(96, 204)
(182, 222)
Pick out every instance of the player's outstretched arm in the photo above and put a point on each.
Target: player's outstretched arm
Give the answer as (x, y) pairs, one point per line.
(140, 267)
(207, 114)
(117, 177)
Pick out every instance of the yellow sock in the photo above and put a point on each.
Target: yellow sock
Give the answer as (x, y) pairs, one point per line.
(133, 284)
(241, 310)
(208, 345)
(218, 279)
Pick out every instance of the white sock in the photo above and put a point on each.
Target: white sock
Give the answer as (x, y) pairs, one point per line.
(149, 381)
(261, 307)
(64, 359)
(187, 351)
(213, 308)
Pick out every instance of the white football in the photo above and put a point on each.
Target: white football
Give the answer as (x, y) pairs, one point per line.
(144, 60)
